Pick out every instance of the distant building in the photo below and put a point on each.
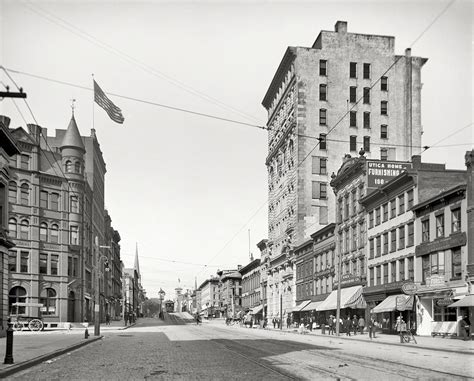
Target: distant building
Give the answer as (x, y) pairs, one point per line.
(311, 90)
(208, 297)
(230, 292)
(251, 288)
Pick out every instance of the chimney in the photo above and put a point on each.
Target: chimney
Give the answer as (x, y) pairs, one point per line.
(408, 52)
(5, 120)
(34, 131)
(416, 160)
(341, 27)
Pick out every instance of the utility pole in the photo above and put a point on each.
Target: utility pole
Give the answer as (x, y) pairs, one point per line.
(97, 279)
(10, 94)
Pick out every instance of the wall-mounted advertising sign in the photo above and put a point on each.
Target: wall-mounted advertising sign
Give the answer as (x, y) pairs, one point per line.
(380, 172)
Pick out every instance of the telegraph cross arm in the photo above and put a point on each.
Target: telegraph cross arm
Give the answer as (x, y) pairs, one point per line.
(12, 94)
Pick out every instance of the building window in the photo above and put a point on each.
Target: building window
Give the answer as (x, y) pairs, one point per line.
(377, 216)
(367, 95)
(377, 275)
(322, 117)
(354, 202)
(401, 204)
(432, 264)
(385, 212)
(371, 248)
(12, 261)
(401, 237)
(339, 211)
(48, 299)
(366, 119)
(68, 166)
(12, 192)
(353, 119)
(383, 154)
(44, 199)
(74, 239)
(319, 165)
(393, 271)
(385, 243)
(43, 232)
(401, 270)
(440, 225)
(12, 228)
(24, 257)
(367, 143)
(353, 143)
(384, 84)
(393, 208)
(74, 204)
(323, 92)
(25, 162)
(77, 167)
(323, 67)
(410, 198)
(456, 220)
(411, 234)
(54, 233)
(16, 295)
(322, 141)
(385, 273)
(411, 271)
(352, 94)
(371, 219)
(384, 108)
(54, 201)
(323, 190)
(346, 207)
(371, 276)
(25, 229)
(25, 193)
(366, 71)
(54, 264)
(425, 230)
(393, 240)
(383, 131)
(456, 263)
(353, 70)
(319, 190)
(43, 263)
(378, 244)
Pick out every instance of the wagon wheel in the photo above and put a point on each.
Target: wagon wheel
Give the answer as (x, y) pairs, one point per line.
(35, 325)
(17, 326)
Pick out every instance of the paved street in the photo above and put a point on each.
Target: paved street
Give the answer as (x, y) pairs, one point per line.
(173, 350)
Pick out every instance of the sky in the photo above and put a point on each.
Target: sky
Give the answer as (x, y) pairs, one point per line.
(192, 191)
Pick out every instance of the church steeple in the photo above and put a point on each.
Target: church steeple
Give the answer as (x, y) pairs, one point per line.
(136, 265)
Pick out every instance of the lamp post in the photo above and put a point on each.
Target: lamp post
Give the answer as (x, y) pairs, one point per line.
(338, 302)
(97, 289)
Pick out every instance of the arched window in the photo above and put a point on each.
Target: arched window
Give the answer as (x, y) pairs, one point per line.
(43, 232)
(12, 228)
(12, 192)
(48, 299)
(16, 295)
(77, 167)
(25, 194)
(54, 233)
(68, 166)
(25, 229)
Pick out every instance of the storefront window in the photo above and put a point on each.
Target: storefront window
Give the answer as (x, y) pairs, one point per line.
(442, 313)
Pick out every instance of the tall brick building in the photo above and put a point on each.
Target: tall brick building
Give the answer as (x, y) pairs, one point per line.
(311, 90)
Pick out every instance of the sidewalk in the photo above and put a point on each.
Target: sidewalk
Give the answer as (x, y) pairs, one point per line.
(31, 348)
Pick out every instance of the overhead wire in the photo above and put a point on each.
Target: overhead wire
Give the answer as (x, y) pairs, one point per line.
(147, 68)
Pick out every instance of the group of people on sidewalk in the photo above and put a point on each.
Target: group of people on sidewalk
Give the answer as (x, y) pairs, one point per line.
(348, 325)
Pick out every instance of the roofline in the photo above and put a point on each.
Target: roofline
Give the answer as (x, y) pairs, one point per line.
(456, 188)
(322, 231)
(250, 266)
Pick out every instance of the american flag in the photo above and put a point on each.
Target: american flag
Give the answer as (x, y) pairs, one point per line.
(101, 99)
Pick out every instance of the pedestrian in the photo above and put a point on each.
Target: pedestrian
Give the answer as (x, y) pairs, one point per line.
(464, 328)
(107, 319)
(130, 318)
(331, 324)
(274, 322)
(361, 325)
(355, 324)
(347, 325)
(125, 318)
(323, 325)
(310, 324)
(372, 326)
(401, 327)
(288, 322)
(198, 319)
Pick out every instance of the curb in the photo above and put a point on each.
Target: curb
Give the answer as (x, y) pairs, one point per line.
(465, 352)
(15, 368)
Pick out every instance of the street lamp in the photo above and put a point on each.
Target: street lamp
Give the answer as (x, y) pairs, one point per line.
(97, 290)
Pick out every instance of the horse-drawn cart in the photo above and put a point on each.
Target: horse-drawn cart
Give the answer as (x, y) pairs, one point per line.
(33, 323)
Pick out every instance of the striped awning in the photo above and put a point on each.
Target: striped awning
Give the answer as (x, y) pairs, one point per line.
(299, 307)
(399, 302)
(256, 310)
(351, 297)
(311, 306)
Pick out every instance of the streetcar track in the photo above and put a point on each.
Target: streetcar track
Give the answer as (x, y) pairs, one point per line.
(366, 359)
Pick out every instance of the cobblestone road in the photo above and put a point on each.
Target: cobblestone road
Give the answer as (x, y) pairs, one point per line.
(155, 351)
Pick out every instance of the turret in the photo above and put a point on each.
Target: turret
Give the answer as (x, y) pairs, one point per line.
(72, 151)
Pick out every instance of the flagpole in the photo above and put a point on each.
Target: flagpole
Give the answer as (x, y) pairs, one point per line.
(93, 101)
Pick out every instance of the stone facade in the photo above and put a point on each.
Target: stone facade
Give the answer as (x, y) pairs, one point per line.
(307, 98)
(251, 288)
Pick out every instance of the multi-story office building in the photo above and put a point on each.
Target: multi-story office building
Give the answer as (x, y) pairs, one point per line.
(251, 288)
(230, 292)
(8, 148)
(325, 101)
(208, 297)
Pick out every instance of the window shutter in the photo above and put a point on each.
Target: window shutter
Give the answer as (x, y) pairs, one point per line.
(315, 189)
(316, 166)
(323, 215)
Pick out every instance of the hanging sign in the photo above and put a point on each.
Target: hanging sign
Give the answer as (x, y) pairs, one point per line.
(409, 288)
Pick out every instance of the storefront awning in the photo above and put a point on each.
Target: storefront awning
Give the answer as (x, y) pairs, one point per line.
(256, 310)
(467, 301)
(351, 297)
(311, 306)
(300, 306)
(399, 302)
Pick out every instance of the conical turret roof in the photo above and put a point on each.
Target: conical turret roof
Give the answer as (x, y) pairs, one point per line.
(72, 137)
